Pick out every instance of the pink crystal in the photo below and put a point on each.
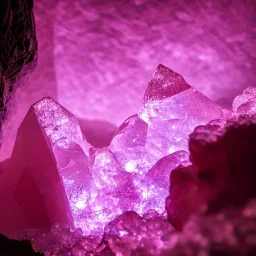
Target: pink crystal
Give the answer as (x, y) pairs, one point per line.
(153, 188)
(172, 111)
(70, 181)
(34, 179)
(112, 192)
(246, 102)
(128, 145)
(164, 84)
(74, 185)
(57, 176)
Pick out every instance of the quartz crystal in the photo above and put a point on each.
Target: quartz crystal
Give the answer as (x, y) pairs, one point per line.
(57, 175)
(70, 195)
(77, 185)
(246, 102)
(48, 171)
(170, 111)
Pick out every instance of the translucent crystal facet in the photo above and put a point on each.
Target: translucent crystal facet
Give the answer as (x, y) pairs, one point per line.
(172, 109)
(48, 165)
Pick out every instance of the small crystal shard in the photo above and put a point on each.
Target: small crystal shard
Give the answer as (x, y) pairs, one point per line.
(128, 145)
(153, 189)
(246, 102)
(164, 84)
(112, 191)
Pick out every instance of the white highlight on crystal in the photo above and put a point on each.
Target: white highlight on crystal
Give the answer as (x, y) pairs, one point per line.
(130, 166)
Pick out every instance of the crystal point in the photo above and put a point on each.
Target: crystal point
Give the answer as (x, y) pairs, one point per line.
(174, 112)
(48, 165)
(164, 84)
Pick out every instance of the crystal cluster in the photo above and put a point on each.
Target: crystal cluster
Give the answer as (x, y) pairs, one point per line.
(80, 186)
(77, 195)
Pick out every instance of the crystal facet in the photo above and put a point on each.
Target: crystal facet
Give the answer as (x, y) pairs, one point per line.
(172, 109)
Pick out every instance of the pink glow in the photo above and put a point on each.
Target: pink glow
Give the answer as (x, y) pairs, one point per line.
(80, 186)
(73, 171)
(91, 52)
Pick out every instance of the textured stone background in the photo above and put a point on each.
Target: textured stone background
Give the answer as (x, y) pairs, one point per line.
(96, 56)
(18, 48)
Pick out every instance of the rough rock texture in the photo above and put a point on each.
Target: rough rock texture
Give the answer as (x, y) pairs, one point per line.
(230, 232)
(18, 48)
(219, 234)
(40, 83)
(62, 241)
(111, 48)
(222, 174)
(91, 52)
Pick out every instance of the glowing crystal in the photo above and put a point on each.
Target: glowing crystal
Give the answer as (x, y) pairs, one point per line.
(154, 188)
(128, 145)
(246, 102)
(48, 166)
(172, 109)
(77, 185)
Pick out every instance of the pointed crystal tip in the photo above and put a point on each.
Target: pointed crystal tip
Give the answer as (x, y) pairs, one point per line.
(164, 84)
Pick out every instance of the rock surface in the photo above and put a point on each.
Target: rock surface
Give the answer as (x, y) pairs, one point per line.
(91, 52)
(229, 232)
(18, 48)
(222, 174)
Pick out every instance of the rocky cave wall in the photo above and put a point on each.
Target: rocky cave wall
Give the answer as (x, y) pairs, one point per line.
(90, 52)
